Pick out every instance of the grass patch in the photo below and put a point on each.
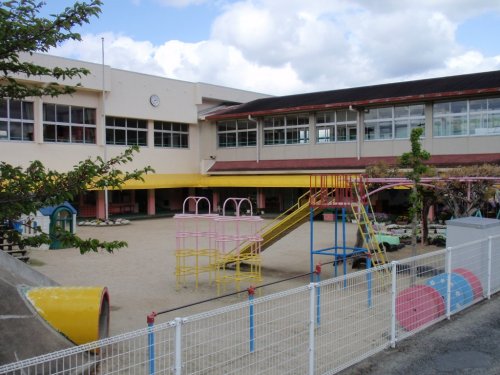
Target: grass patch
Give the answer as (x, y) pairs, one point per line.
(35, 262)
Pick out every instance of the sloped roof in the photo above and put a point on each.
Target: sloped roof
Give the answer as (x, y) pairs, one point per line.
(409, 91)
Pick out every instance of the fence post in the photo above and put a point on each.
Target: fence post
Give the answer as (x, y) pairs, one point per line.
(312, 326)
(488, 286)
(178, 346)
(151, 342)
(369, 279)
(318, 294)
(251, 292)
(394, 272)
(448, 283)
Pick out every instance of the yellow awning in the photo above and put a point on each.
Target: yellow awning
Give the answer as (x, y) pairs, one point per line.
(161, 181)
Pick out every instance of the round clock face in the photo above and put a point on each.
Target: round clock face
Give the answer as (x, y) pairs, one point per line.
(154, 100)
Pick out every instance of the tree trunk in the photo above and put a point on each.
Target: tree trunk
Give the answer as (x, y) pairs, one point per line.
(425, 225)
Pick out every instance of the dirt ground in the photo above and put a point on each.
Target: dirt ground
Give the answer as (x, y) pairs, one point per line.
(141, 277)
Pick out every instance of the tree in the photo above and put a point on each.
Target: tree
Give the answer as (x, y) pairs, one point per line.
(24, 191)
(463, 194)
(22, 30)
(414, 161)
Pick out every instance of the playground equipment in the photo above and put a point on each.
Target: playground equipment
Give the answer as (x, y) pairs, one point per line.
(79, 313)
(418, 305)
(342, 193)
(421, 304)
(195, 251)
(233, 234)
(212, 244)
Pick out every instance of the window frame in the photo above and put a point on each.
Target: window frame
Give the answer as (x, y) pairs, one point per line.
(290, 129)
(389, 121)
(488, 116)
(24, 124)
(58, 120)
(331, 124)
(131, 130)
(165, 130)
(236, 130)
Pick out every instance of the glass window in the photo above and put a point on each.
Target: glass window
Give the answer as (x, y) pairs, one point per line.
(395, 122)
(236, 133)
(126, 131)
(286, 130)
(170, 134)
(16, 120)
(336, 126)
(466, 117)
(68, 124)
(4, 130)
(4, 105)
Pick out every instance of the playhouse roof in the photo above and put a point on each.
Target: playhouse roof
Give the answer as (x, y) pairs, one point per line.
(49, 210)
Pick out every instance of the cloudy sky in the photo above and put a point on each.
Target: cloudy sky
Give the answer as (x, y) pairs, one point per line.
(292, 46)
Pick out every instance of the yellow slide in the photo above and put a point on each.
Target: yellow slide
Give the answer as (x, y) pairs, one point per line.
(286, 222)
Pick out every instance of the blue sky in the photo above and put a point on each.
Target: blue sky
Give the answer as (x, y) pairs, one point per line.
(292, 46)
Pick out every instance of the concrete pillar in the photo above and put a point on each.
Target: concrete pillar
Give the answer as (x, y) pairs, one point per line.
(192, 203)
(261, 199)
(100, 205)
(151, 202)
(215, 201)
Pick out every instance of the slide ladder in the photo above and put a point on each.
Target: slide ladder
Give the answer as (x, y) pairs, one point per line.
(362, 216)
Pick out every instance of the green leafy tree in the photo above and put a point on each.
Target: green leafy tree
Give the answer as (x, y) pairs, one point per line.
(25, 191)
(414, 162)
(23, 30)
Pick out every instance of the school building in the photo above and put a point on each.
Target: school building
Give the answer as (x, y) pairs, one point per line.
(220, 142)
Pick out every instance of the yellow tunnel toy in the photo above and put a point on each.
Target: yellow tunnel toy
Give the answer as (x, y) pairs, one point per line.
(79, 313)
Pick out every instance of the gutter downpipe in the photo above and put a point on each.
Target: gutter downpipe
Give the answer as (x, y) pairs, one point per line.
(358, 131)
(257, 143)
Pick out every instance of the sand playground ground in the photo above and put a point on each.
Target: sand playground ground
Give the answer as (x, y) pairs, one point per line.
(141, 278)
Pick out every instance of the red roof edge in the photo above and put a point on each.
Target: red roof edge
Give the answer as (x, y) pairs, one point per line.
(346, 163)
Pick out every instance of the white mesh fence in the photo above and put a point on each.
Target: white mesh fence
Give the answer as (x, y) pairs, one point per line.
(320, 328)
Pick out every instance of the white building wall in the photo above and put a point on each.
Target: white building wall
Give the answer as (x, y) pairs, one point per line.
(127, 94)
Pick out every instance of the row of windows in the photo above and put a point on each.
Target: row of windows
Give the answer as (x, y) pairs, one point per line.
(75, 124)
(467, 117)
(457, 118)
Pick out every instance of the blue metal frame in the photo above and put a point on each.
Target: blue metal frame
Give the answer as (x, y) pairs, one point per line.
(338, 251)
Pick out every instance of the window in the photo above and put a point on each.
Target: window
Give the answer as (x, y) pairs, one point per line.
(394, 122)
(467, 117)
(16, 120)
(171, 134)
(236, 133)
(126, 131)
(290, 129)
(69, 124)
(336, 126)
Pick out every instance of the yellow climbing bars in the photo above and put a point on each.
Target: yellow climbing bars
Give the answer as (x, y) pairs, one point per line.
(212, 244)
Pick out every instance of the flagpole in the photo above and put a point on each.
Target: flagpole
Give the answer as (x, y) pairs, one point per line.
(103, 123)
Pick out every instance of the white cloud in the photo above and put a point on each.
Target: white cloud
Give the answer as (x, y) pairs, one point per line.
(119, 52)
(293, 46)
